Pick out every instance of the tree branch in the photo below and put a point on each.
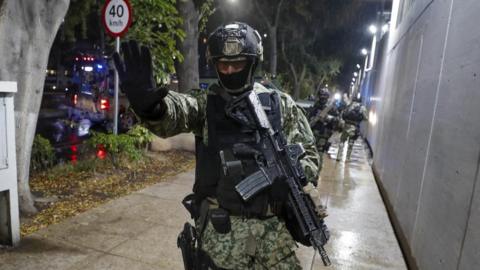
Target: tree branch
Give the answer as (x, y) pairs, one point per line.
(262, 14)
(277, 15)
(285, 58)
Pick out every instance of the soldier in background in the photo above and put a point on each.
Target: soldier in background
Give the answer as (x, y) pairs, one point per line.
(323, 121)
(234, 234)
(353, 115)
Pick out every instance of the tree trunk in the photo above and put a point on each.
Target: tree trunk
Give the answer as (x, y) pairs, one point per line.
(273, 50)
(187, 71)
(272, 31)
(296, 85)
(27, 31)
(300, 81)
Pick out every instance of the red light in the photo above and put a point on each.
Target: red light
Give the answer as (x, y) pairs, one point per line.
(101, 152)
(73, 159)
(104, 104)
(76, 58)
(74, 148)
(75, 99)
(84, 58)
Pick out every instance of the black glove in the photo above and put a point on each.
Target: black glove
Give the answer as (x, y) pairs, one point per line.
(137, 82)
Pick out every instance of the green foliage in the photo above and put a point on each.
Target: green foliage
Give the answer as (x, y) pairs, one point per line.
(157, 24)
(315, 61)
(205, 10)
(76, 17)
(43, 154)
(117, 146)
(141, 135)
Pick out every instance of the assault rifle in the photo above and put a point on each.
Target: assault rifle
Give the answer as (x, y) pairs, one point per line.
(322, 114)
(278, 161)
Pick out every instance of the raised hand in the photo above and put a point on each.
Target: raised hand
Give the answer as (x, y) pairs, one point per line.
(135, 71)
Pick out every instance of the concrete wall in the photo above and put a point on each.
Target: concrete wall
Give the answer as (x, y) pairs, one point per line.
(424, 101)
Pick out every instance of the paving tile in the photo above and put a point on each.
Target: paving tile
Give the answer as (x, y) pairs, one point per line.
(149, 209)
(156, 246)
(169, 191)
(39, 253)
(112, 262)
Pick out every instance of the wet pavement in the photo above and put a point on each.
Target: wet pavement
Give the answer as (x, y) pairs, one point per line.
(139, 231)
(362, 236)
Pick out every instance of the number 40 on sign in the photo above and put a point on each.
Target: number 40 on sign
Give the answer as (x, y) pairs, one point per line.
(117, 17)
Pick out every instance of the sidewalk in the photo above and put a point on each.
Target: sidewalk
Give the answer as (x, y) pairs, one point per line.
(139, 231)
(362, 237)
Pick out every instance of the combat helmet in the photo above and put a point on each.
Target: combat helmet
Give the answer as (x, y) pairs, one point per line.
(323, 95)
(235, 42)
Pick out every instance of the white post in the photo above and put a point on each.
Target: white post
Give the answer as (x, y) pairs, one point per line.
(115, 111)
(9, 216)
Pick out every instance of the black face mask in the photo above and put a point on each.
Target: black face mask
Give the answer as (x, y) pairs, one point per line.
(236, 81)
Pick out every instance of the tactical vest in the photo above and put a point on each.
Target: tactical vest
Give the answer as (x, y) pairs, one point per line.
(223, 133)
(319, 125)
(353, 114)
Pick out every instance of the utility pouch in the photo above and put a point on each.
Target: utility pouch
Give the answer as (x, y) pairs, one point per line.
(220, 219)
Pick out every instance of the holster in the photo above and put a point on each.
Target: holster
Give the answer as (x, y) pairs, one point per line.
(189, 240)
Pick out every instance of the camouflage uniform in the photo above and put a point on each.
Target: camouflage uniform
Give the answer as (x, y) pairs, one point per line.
(251, 243)
(322, 128)
(351, 130)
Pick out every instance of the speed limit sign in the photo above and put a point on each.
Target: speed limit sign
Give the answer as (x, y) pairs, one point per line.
(117, 17)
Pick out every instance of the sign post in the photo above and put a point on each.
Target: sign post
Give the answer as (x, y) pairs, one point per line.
(117, 18)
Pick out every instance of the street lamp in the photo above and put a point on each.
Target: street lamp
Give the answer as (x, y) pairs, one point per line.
(373, 29)
(355, 74)
(358, 66)
(364, 51)
(265, 35)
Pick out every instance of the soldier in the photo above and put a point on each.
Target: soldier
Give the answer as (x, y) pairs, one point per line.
(322, 121)
(353, 115)
(234, 234)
